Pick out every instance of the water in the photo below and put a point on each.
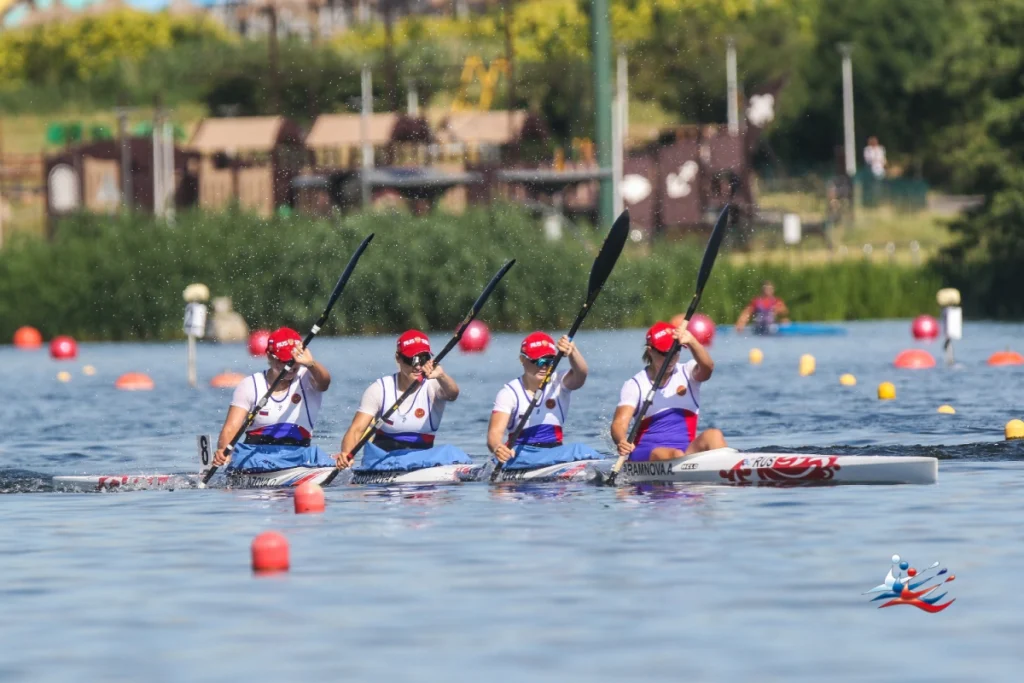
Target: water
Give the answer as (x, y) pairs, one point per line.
(550, 582)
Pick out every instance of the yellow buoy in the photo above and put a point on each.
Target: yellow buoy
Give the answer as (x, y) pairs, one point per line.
(947, 409)
(848, 380)
(1014, 430)
(756, 356)
(806, 365)
(89, 370)
(64, 376)
(886, 391)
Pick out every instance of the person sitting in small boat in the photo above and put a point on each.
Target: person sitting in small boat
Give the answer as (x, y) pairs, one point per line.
(280, 436)
(540, 442)
(669, 429)
(405, 441)
(765, 310)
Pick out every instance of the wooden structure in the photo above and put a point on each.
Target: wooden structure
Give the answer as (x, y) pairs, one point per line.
(89, 177)
(251, 160)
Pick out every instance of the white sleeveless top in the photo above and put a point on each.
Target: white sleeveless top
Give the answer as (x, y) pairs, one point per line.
(416, 421)
(295, 411)
(546, 421)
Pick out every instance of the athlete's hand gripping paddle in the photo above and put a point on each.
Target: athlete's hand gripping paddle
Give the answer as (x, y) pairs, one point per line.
(599, 272)
(706, 264)
(290, 364)
(376, 424)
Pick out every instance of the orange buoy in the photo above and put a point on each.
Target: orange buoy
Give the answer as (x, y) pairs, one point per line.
(309, 497)
(914, 359)
(27, 338)
(226, 380)
(63, 348)
(1006, 358)
(134, 381)
(270, 552)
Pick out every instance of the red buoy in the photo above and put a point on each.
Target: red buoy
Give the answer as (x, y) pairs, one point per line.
(27, 338)
(925, 327)
(476, 338)
(914, 359)
(702, 328)
(309, 497)
(258, 342)
(270, 552)
(63, 348)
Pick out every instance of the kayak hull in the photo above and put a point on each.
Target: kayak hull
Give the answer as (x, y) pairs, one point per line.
(724, 466)
(731, 467)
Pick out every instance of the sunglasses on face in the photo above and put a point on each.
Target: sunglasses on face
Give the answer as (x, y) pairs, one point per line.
(418, 360)
(541, 362)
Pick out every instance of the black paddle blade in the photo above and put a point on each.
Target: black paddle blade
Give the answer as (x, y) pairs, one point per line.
(342, 281)
(482, 299)
(609, 254)
(710, 254)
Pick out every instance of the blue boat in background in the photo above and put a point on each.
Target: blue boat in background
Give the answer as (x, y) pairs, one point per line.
(793, 330)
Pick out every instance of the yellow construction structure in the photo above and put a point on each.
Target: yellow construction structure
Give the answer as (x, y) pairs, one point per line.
(488, 76)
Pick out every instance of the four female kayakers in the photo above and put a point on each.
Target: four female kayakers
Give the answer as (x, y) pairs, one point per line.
(540, 443)
(405, 440)
(280, 436)
(766, 310)
(669, 428)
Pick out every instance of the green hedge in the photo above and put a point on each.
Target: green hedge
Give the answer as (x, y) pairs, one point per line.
(118, 278)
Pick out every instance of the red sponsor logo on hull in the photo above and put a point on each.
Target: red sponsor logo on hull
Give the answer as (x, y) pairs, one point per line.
(790, 469)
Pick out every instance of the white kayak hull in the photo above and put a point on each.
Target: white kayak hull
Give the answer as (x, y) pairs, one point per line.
(446, 474)
(731, 467)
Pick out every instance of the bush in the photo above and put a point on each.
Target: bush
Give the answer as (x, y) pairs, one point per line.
(122, 277)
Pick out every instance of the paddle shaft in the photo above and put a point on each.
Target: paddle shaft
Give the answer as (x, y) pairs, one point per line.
(418, 382)
(314, 330)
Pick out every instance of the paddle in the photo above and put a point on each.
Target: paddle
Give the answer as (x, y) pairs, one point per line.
(599, 272)
(290, 364)
(479, 304)
(706, 264)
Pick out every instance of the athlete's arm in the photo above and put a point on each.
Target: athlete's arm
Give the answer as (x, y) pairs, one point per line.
(355, 432)
(620, 429)
(577, 374)
(496, 436)
(233, 422)
(705, 366)
(781, 309)
(317, 373)
(449, 388)
(745, 314)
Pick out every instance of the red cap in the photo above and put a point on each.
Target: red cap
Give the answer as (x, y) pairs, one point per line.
(413, 343)
(537, 345)
(281, 341)
(659, 337)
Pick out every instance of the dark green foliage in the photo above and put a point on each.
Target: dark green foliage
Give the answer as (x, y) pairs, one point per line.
(122, 278)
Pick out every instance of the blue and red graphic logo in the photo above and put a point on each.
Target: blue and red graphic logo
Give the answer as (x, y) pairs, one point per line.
(903, 581)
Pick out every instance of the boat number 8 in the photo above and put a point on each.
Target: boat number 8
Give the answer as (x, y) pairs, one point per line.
(204, 449)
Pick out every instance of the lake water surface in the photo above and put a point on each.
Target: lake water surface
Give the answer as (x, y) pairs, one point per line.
(528, 583)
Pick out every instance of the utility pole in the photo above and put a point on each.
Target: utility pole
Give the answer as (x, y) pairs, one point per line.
(506, 6)
(127, 198)
(732, 89)
(364, 134)
(845, 49)
(601, 40)
(620, 129)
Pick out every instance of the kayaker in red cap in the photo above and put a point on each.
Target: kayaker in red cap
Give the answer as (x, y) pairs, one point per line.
(406, 440)
(669, 429)
(280, 436)
(540, 443)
